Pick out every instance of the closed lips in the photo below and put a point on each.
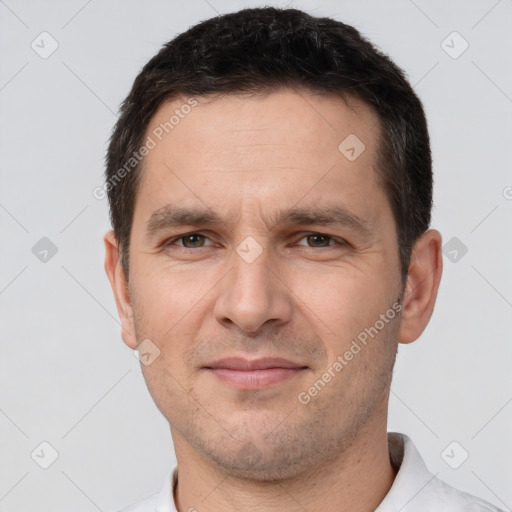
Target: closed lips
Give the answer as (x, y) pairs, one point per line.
(258, 364)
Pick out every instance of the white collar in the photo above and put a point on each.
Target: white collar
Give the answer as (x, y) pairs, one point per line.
(165, 501)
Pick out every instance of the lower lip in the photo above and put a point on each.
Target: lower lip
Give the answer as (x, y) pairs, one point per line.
(254, 379)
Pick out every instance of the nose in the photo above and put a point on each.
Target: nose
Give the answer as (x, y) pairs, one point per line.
(253, 297)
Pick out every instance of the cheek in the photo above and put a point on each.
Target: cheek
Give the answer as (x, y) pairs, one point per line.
(165, 297)
(341, 303)
(339, 295)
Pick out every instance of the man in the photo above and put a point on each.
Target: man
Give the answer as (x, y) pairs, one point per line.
(270, 188)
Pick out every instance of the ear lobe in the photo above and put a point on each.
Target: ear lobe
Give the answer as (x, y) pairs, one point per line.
(119, 284)
(422, 285)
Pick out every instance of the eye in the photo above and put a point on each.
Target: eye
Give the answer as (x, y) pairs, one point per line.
(190, 241)
(320, 240)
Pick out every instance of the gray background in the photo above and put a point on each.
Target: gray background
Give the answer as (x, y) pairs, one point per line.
(66, 377)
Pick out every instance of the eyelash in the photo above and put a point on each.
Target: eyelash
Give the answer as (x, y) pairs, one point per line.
(337, 241)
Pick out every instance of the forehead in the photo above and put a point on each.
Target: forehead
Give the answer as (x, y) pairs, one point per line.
(316, 122)
(284, 145)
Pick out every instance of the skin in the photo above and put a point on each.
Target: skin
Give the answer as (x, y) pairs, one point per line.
(303, 298)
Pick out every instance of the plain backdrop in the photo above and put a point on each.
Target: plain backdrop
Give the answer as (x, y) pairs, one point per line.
(67, 379)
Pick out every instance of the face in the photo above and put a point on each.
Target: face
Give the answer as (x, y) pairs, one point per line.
(256, 235)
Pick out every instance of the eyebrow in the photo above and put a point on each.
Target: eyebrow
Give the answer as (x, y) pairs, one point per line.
(335, 215)
(169, 217)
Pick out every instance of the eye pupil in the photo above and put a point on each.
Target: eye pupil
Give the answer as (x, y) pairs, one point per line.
(193, 240)
(318, 240)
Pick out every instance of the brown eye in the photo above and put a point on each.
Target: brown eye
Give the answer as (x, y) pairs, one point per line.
(192, 241)
(318, 240)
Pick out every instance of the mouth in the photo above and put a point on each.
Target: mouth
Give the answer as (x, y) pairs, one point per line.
(256, 374)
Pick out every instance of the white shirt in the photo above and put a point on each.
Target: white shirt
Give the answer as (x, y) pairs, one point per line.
(414, 489)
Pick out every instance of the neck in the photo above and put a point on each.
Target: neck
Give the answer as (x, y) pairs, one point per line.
(357, 480)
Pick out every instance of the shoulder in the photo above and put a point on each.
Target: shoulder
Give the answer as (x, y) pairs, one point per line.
(443, 497)
(416, 489)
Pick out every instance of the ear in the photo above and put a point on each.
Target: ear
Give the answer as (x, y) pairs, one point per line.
(422, 284)
(119, 283)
